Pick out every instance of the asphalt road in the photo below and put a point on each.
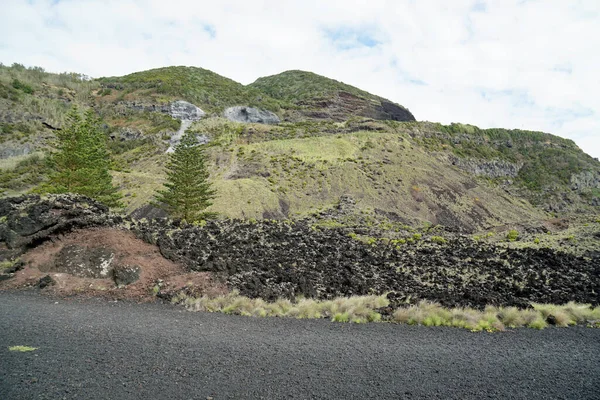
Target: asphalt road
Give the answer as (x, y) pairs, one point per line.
(95, 349)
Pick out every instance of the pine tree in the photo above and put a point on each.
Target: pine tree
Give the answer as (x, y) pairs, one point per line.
(81, 164)
(188, 192)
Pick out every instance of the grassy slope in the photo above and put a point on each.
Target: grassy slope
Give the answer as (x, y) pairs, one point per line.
(307, 89)
(300, 87)
(548, 160)
(381, 170)
(262, 170)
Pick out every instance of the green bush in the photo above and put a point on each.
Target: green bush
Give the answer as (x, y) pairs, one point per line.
(512, 235)
(17, 84)
(438, 239)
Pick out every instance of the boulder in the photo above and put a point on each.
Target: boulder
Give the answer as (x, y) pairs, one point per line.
(124, 275)
(85, 262)
(249, 114)
(46, 281)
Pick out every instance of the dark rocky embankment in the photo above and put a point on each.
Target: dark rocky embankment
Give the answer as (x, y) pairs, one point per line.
(273, 259)
(270, 259)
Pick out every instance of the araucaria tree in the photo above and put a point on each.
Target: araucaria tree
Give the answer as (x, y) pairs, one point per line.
(187, 191)
(81, 163)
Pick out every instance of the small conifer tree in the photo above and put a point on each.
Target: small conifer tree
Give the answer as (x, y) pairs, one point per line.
(187, 190)
(81, 164)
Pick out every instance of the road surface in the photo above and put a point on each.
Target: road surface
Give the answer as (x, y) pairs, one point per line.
(96, 349)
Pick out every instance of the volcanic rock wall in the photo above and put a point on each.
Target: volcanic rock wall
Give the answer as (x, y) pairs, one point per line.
(273, 259)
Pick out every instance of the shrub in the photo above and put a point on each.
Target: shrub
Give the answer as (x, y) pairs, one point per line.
(512, 235)
(17, 84)
(438, 239)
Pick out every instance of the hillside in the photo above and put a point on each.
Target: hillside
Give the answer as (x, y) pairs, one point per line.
(206, 89)
(406, 173)
(321, 97)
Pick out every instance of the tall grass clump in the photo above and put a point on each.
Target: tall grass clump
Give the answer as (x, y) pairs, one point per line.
(357, 309)
(362, 309)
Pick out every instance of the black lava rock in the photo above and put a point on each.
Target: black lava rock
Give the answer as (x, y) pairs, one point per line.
(124, 275)
(46, 281)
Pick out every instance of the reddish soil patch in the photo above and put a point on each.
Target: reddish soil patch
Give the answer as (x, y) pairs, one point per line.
(129, 250)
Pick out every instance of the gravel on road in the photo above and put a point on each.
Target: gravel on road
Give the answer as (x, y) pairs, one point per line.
(97, 349)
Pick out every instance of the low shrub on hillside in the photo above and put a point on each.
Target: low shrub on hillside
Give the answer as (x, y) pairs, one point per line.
(512, 235)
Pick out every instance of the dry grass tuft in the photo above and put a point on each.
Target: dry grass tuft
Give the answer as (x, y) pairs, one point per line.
(362, 309)
(357, 309)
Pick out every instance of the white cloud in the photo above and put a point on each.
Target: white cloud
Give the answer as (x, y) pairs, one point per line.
(502, 63)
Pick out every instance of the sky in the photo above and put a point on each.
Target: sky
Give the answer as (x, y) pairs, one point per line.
(526, 64)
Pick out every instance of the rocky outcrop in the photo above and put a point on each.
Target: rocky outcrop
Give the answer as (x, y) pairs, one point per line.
(390, 111)
(187, 113)
(488, 168)
(249, 114)
(585, 180)
(29, 220)
(15, 150)
(271, 260)
(183, 110)
(179, 109)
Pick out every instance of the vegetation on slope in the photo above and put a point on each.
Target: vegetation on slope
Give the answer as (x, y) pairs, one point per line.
(300, 166)
(31, 96)
(311, 91)
(301, 87)
(547, 161)
(204, 88)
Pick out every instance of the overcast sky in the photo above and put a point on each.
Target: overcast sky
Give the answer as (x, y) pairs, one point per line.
(530, 64)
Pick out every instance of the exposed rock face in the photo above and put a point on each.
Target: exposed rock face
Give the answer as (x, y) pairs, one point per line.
(272, 260)
(8, 151)
(185, 111)
(249, 114)
(585, 180)
(490, 168)
(394, 112)
(346, 105)
(27, 220)
(84, 262)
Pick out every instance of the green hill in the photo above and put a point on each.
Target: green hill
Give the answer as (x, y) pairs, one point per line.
(330, 144)
(321, 97)
(206, 89)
